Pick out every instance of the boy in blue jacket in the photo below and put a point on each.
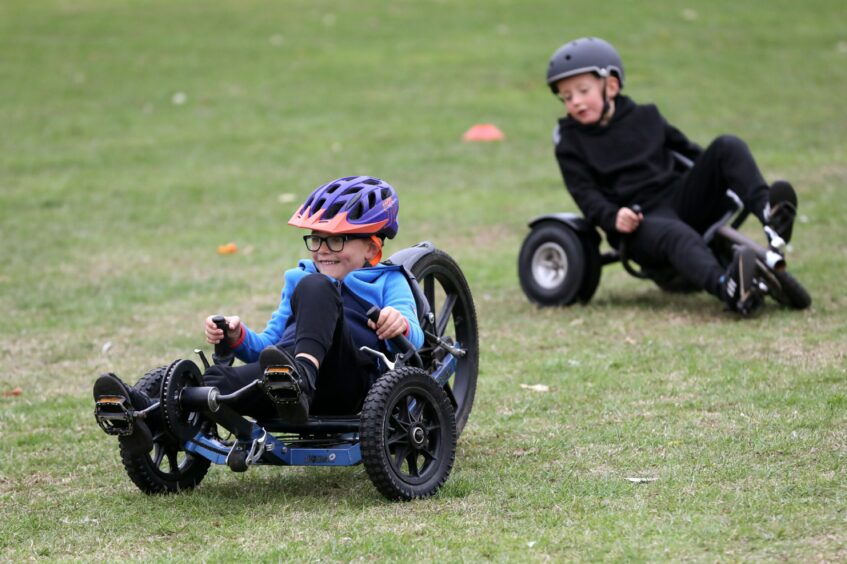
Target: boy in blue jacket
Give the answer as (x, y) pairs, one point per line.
(316, 333)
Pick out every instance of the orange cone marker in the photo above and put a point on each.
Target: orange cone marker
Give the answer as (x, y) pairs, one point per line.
(483, 132)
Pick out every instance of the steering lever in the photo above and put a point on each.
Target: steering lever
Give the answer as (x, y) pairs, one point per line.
(223, 354)
(406, 355)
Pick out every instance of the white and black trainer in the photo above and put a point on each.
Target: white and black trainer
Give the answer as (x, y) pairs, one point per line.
(739, 291)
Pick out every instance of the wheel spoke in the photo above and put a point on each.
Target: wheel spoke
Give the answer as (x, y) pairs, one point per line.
(173, 463)
(416, 413)
(399, 455)
(429, 457)
(397, 438)
(445, 314)
(429, 291)
(158, 455)
(412, 461)
(434, 426)
(400, 419)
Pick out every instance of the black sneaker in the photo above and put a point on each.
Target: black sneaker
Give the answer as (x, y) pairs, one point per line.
(116, 407)
(287, 383)
(782, 209)
(739, 292)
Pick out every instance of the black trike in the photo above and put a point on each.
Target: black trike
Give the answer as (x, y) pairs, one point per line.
(560, 261)
(405, 434)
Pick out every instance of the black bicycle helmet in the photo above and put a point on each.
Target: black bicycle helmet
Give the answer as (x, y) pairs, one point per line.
(588, 54)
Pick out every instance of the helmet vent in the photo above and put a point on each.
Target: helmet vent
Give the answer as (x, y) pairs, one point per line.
(332, 188)
(332, 211)
(371, 199)
(318, 204)
(385, 193)
(371, 181)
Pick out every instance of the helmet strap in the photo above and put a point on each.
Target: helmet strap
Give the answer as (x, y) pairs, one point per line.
(606, 105)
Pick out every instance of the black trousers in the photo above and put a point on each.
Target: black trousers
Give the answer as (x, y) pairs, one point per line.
(672, 230)
(345, 373)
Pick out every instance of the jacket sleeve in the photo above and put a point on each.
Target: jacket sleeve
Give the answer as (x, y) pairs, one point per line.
(397, 294)
(675, 140)
(254, 343)
(585, 191)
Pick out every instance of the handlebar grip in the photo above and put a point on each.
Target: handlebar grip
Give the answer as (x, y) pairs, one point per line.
(400, 342)
(624, 252)
(222, 348)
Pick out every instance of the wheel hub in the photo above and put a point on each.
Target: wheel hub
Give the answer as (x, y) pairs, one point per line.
(417, 436)
(549, 265)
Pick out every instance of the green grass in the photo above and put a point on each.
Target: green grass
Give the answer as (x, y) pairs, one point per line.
(114, 198)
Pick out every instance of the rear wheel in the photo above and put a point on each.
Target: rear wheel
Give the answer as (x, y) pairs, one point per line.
(452, 321)
(551, 265)
(167, 468)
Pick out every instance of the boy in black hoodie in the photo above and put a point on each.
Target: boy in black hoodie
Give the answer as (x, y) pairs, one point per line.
(619, 162)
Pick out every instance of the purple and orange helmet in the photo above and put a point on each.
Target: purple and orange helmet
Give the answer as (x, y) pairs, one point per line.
(353, 204)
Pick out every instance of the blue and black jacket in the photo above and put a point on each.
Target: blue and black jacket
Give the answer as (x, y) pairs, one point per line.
(381, 285)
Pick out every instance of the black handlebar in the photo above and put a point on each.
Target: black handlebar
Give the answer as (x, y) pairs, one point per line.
(223, 353)
(624, 252)
(406, 355)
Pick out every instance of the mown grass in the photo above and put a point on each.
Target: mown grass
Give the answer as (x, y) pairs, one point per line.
(137, 137)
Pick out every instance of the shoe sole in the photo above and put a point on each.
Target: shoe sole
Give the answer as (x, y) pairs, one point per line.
(746, 275)
(280, 386)
(783, 205)
(112, 405)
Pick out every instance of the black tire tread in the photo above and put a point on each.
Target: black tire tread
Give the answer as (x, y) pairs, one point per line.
(793, 292)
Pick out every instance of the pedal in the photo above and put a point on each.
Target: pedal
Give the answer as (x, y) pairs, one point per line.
(280, 385)
(241, 456)
(753, 301)
(114, 416)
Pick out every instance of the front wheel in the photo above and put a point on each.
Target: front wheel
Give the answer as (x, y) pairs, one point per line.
(408, 434)
(167, 468)
(785, 289)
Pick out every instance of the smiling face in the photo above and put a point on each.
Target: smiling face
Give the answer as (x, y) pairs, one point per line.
(338, 264)
(583, 96)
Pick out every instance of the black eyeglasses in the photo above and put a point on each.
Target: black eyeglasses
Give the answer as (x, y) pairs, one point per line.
(334, 243)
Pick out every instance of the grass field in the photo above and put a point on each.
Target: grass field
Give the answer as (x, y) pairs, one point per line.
(136, 137)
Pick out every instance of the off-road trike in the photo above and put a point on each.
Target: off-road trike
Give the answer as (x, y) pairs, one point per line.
(405, 434)
(560, 261)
